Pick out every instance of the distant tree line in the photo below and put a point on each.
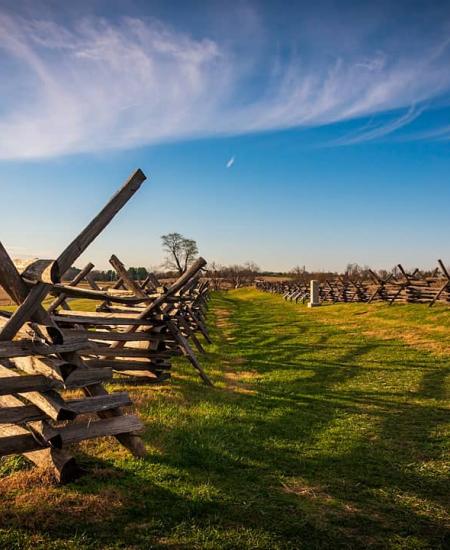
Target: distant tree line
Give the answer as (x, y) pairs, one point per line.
(181, 252)
(235, 275)
(353, 270)
(136, 273)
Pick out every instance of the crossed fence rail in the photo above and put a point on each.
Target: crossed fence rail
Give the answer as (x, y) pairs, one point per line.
(48, 351)
(401, 287)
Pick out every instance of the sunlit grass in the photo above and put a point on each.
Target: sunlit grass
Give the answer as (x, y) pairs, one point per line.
(324, 431)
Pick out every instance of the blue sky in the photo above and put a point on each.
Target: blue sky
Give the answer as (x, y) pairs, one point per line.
(315, 135)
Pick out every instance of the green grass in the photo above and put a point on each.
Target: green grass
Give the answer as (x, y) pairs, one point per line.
(328, 428)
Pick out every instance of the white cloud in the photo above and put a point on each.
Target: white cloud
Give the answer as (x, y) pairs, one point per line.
(96, 85)
(101, 86)
(380, 130)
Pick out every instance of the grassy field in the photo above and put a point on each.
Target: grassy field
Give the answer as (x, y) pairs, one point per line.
(328, 428)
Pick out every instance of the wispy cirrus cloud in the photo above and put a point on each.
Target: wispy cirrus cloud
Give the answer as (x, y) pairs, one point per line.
(99, 86)
(96, 84)
(373, 131)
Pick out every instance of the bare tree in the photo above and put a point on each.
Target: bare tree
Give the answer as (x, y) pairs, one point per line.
(190, 250)
(215, 275)
(241, 275)
(181, 252)
(298, 272)
(356, 271)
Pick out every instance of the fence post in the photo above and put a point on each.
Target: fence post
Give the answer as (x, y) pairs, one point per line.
(314, 294)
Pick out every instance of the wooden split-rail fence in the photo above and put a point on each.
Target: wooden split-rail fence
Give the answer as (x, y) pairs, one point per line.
(401, 287)
(54, 361)
(138, 326)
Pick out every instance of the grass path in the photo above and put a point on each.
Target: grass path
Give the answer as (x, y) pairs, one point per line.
(328, 428)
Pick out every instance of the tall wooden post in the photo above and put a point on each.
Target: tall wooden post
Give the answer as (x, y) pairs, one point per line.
(314, 294)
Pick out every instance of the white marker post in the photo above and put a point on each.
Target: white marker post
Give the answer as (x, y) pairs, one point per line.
(314, 294)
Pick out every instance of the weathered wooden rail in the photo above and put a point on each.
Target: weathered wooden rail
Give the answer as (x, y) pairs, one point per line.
(54, 361)
(402, 287)
(138, 326)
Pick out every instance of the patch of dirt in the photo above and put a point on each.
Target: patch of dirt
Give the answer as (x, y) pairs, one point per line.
(223, 317)
(239, 381)
(302, 488)
(236, 381)
(224, 323)
(318, 496)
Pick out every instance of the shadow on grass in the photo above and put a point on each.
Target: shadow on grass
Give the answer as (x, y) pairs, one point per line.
(339, 444)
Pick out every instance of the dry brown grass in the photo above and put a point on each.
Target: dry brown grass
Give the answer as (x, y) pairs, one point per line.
(239, 382)
(412, 338)
(33, 500)
(427, 336)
